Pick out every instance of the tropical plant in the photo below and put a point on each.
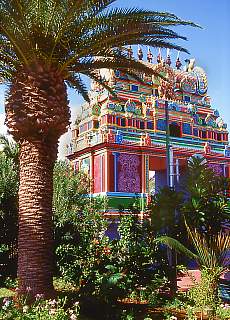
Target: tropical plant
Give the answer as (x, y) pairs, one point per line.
(9, 148)
(8, 213)
(206, 206)
(212, 255)
(163, 208)
(44, 47)
(69, 188)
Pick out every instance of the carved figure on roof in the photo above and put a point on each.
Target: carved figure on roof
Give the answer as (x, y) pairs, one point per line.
(166, 87)
(159, 57)
(210, 121)
(130, 52)
(149, 56)
(220, 122)
(168, 58)
(144, 109)
(140, 53)
(147, 139)
(202, 82)
(207, 148)
(190, 65)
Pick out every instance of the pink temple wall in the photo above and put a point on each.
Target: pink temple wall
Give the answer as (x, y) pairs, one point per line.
(99, 173)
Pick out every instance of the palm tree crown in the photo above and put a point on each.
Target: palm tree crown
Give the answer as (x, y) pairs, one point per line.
(70, 34)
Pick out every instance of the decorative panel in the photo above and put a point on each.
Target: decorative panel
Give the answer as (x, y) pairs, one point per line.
(161, 124)
(129, 173)
(217, 168)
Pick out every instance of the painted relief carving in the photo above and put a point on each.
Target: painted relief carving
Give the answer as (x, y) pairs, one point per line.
(129, 173)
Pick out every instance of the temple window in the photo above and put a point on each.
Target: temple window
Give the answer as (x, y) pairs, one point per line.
(90, 124)
(203, 122)
(155, 92)
(134, 88)
(218, 138)
(161, 124)
(142, 125)
(186, 127)
(75, 133)
(195, 132)
(96, 124)
(123, 122)
(130, 122)
(203, 134)
(109, 118)
(117, 73)
(174, 130)
(187, 98)
(150, 125)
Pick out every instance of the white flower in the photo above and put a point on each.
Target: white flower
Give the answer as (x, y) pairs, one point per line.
(173, 318)
(25, 309)
(52, 311)
(73, 317)
(39, 296)
(6, 303)
(52, 302)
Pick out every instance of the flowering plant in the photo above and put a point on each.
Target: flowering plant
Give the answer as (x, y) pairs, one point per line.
(40, 309)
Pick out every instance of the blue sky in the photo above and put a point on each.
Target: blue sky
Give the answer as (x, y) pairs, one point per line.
(210, 46)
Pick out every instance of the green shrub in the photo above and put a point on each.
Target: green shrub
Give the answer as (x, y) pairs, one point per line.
(114, 269)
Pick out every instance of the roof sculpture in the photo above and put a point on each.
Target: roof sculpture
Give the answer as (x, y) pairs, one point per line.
(184, 89)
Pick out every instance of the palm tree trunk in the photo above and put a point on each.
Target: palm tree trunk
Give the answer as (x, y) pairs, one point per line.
(35, 242)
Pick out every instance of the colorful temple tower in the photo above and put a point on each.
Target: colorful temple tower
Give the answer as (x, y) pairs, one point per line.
(121, 140)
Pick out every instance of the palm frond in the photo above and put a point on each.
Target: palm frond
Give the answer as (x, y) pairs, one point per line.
(212, 250)
(75, 82)
(65, 32)
(92, 74)
(176, 245)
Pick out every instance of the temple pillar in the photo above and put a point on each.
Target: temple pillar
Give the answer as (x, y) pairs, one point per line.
(143, 174)
(116, 155)
(91, 172)
(107, 171)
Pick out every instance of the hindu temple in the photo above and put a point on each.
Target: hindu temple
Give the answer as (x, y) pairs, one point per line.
(121, 139)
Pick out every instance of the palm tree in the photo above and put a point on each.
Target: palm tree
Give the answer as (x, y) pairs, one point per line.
(45, 46)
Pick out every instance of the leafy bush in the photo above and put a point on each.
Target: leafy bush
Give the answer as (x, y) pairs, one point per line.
(111, 269)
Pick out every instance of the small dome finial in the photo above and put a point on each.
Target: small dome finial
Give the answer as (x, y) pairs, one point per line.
(149, 56)
(140, 53)
(130, 52)
(178, 63)
(159, 57)
(168, 59)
